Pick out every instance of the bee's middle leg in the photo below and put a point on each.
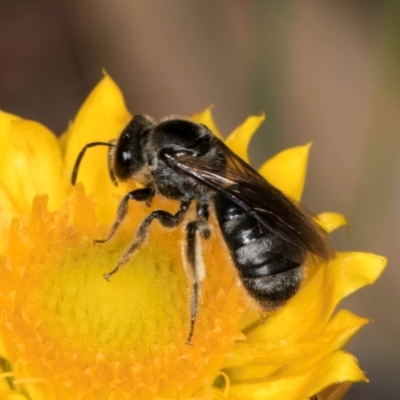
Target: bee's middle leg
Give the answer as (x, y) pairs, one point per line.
(144, 194)
(164, 217)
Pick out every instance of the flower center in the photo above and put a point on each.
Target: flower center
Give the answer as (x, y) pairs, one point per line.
(143, 305)
(67, 327)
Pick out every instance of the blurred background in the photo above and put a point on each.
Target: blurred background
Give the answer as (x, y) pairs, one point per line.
(326, 71)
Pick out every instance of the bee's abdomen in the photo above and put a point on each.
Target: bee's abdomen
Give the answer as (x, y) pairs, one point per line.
(269, 267)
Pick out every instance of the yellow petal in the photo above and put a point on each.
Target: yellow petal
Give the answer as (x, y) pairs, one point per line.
(338, 332)
(205, 117)
(63, 140)
(3, 353)
(4, 386)
(345, 321)
(11, 395)
(102, 117)
(31, 164)
(331, 221)
(6, 392)
(335, 392)
(307, 313)
(287, 170)
(238, 140)
(258, 361)
(6, 119)
(354, 270)
(335, 367)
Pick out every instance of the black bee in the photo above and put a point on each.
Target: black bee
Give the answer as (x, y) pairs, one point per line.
(268, 234)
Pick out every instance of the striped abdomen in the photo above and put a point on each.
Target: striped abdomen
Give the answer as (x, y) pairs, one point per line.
(269, 267)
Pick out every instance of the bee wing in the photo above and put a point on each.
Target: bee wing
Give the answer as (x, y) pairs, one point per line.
(285, 217)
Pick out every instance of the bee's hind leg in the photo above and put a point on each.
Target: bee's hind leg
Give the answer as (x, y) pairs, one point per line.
(194, 266)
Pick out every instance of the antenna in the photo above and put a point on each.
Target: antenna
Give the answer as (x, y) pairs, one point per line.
(82, 153)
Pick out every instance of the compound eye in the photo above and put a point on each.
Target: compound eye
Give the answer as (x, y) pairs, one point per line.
(122, 161)
(128, 157)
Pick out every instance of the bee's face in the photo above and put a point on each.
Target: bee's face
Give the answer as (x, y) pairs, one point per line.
(129, 157)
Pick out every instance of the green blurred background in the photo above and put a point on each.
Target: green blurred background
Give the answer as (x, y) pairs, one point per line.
(326, 71)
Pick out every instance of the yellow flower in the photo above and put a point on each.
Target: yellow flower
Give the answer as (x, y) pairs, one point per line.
(68, 334)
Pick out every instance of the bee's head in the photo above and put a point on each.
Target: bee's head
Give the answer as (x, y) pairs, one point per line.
(128, 157)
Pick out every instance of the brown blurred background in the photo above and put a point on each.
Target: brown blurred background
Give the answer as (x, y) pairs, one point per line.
(327, 71)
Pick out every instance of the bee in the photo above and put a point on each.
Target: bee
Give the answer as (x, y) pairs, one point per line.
(268, 234)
